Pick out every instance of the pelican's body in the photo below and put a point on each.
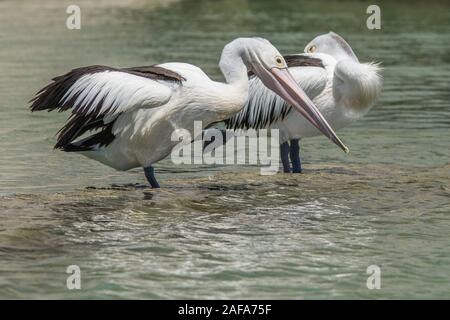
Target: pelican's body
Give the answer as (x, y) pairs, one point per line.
(135, 111)
(341, 87)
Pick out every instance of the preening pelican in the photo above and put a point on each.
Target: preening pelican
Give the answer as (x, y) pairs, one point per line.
(341, 87)
(135, 110)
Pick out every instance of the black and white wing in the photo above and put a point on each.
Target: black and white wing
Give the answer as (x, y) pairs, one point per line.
(264, 107)
(97, 95)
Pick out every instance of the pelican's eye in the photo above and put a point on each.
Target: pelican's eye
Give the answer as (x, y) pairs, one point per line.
(312, 49)
(280, 62)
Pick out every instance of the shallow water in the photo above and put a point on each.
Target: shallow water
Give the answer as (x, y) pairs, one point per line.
(228, 232)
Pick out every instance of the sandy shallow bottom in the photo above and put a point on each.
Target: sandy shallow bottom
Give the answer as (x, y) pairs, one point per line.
(320, 179)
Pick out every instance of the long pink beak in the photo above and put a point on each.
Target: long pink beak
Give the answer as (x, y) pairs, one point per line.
(283, 84)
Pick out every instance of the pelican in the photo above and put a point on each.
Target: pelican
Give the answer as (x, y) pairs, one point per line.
(135, 110)
(341, 87)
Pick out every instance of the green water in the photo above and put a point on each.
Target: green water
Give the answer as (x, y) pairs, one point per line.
(228, 232)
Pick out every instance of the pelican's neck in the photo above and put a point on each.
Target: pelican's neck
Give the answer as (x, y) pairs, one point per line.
(232, 64)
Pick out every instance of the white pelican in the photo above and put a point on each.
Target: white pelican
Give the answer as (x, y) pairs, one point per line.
(341, 87)
(135, 110)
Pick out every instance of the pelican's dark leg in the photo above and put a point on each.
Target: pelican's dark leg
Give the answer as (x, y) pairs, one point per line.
(284, 153)
(150, 175)
(295, 156)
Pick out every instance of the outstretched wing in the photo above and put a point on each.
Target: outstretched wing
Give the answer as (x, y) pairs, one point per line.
(97, 95)
(264, 107)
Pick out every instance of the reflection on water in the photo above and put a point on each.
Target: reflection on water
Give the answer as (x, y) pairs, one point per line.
(227, 232)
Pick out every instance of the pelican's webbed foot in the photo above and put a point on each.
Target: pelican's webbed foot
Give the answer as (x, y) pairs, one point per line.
(150, 175)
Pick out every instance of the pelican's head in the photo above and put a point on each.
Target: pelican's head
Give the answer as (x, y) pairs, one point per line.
(332, 44)
(266, 62)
